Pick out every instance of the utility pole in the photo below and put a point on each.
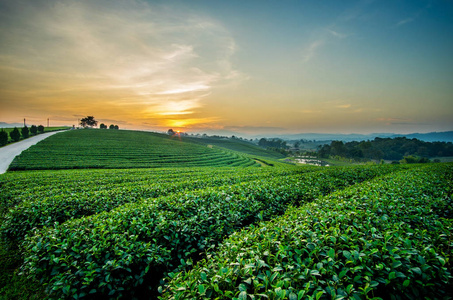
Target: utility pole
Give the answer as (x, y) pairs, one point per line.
(47, 122)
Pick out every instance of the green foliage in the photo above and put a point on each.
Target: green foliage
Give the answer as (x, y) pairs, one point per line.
(387, 148)
(59, 196)
(33, 129)
(130, 248)
(13, 285)
(3, 138)
(25, 132)
(388, 238)
(272, 143)
(77, 149)
(411, 159)
(350, 232)
(15, 134)
(235, 145)
(41, 128)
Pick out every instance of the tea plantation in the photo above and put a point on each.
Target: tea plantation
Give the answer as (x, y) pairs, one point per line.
(209, 229)
(101, 149)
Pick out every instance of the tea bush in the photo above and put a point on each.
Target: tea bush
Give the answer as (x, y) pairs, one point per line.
(61, 196)
(129, 249)
(110, 149)
(388, 238)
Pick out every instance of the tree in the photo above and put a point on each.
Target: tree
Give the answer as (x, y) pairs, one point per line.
(25, 132)
(33, 129)
(41, 129)
(103, 126)
(262, 142)
(170, 132)
(15, 134)
(112, 126)
(117, 127)
(3, 138)
(88, 121)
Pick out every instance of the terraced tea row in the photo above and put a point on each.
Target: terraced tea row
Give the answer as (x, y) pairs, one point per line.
(78, 149)
(57, 196)
(389, 238)
(129, 249)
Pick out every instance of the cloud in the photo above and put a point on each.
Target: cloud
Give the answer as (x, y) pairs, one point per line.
(414, 16)
(337, 34)
(127, 54)
(344, 106)
(405, 21)
(310, 52)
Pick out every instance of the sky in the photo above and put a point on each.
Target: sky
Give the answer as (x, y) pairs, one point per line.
(247, 67)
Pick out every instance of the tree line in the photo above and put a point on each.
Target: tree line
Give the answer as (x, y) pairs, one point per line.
(386, 148)
(16, 135)
(90, 121)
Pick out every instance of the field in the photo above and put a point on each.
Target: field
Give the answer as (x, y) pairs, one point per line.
(235, 145)
(143, 227)
(90, 148)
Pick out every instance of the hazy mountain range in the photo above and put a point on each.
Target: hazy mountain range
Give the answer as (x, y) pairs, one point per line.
(446, 136)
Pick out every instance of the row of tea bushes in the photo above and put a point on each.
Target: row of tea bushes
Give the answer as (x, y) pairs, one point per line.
(117, 149)
(131, 248)
(74, 197)
(389, 238)
(28, 185)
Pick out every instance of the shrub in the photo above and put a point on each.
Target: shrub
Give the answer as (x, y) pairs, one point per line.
(25, 132)
(388, 238)
(33, 129)
(15, 134)
(3, 138)
(41, 128)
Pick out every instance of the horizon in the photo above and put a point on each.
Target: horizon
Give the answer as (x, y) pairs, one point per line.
(252, 68)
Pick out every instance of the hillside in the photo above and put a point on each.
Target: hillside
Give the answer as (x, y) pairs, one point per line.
(77, 149)
(235, 145)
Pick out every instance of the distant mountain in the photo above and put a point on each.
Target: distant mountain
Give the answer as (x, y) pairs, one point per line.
(333, 136)
(446, 136)
(10, 125)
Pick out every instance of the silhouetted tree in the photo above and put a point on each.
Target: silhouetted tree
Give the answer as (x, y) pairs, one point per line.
(41, 129)
(25, 132)
(33, 129)
(117, 127)
(15, 134)
(103, 126)
(170, 132)
(88, 121)
(3, 138)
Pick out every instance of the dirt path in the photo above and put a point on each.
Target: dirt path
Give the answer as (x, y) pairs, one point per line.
(8, 153)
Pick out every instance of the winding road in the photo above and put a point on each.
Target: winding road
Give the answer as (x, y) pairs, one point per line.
(9, 152)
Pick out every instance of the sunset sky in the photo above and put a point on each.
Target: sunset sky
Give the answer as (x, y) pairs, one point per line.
(251, 67)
